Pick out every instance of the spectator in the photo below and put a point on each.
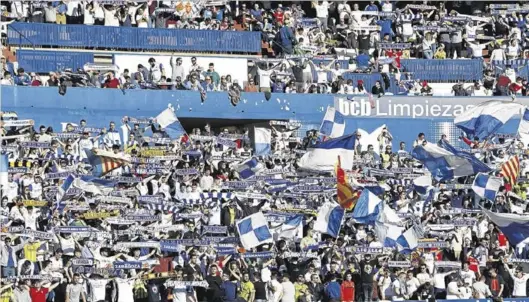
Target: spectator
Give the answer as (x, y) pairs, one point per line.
(111, 81)
(22, 78)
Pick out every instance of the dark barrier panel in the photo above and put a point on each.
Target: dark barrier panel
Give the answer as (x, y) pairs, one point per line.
(444, 70)
(404, 116)
(46, 61)
(39, 34)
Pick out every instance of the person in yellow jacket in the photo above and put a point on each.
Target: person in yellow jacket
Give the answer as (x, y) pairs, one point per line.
(6, 293)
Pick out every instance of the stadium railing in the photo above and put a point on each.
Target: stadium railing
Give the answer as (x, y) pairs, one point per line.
(132, 38)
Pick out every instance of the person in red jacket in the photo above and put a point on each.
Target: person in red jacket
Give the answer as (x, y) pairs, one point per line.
(348, 288)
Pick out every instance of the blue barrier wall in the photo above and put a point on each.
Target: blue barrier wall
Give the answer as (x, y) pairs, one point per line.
(40, 34)
(404, 116)
(46, 61)
(444, 70)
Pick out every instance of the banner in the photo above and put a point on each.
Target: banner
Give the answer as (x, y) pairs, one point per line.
(35, 145)
(144, 218)
(99, 215)
(37, 234)
(214, 229)
(432, 244)
(83, 262)
(183, 284)
(35, 203)
(250, 195)
(450, 264)
(191, 171)
(17, 123)
(399, 264)
(129, 265)
(226, 142)
(114, 199)
(150, 199)
(73, 229)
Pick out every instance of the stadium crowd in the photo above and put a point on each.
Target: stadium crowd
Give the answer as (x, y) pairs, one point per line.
(133, 212)
(162, 219)
(346, 39)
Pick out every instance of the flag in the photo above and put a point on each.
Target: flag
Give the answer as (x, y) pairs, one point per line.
(94, 185)
(367, 139)
(445, 162)
(523, 128)
(409, 240)
(323, 156)
(249, 168)
(64, 126)
(291, 228)
(166, 117)
(329, 220)
(510, 169)
(388, 234)
(422, 184)
(253, 231)
(104, 161)
(125, 134)
(486, 186)
(367, 207)
(486, 118)
(262, 140)
(4, 168)
(66, 185)
(514, 226)
(347, 197)
(333, 124)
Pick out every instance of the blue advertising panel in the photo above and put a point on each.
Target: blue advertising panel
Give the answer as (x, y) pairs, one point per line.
(45, 61)
(404, 116)
(40, 34)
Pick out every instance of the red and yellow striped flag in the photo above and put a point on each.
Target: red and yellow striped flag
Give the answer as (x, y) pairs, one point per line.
(510, 169)
(347, 197)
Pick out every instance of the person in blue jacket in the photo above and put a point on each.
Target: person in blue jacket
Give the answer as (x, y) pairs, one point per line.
(22, 78)
(287, 38)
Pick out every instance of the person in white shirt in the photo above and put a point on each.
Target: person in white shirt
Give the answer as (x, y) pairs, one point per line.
(400, 289)
(89, 14)
(412, 283)
(498, 54)
(123, 290)
(7, 80)
(97, 289)
(466, 273)
(289, 291)
(439, 280)
(206, 181)
(481, 290)
(344, 10)
(322, 13)
(466, 289)
(477, 49)
(276, 290)
(111, 16)
(452, 290)
(142, 19)
(520, 281)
